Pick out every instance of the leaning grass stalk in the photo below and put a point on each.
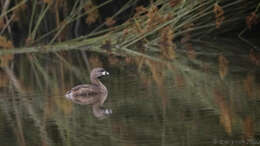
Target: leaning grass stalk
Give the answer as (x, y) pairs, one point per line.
(13, 8)
(8, 113)
(40, 38)
(88, 44)
(240, 36)
(189, 11)
(32, 16)
(52, 48)
(38, 81)
(118, 29)
(5, 6)
(67, 20)
(75, 8)
(257, 8)
(37, 121)
(13, 79)
(73, 17)
(135, 53)
(58, 27)
(85, 58)
(7, 24)
(204, 26)
(42, 15)
(41, 70)
(58, 33)
(18, 120)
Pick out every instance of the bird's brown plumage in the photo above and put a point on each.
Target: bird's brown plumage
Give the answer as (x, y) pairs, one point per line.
(92, 93)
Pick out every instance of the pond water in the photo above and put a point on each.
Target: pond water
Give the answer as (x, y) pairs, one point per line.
(160, 105)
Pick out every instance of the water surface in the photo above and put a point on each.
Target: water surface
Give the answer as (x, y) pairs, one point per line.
(163, 105)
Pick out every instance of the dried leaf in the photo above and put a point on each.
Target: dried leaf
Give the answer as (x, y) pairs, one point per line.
(254, 57)
(2, 23)
(93, 15)
(166, 43)
(5, 60)
(249, 84)
(154, 18)
(225, 119)
(48, 1)
(95, 61)
(140, 10)
(190, 52)
(125, 32)
(110, 21)
(186, 38)
(219, 14)
(129, 60)
(225, 111)
(223, 66)
(173, 3)
(138, 28)
(91, 18)
(4, 80)
(156, 69)
(180, 81)
(152, 12)
(251, 20)
(248, 128)
(113, 60)
(218, 10)
(5, 44)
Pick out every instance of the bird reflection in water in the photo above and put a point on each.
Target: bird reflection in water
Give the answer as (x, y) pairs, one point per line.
(93, 94)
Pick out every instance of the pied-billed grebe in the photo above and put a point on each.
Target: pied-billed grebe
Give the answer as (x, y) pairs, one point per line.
(94, 93)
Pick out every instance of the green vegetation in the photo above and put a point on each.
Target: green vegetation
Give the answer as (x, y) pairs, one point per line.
(171, 49)
(65, 25)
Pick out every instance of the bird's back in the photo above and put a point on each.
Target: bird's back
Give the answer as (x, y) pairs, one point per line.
(85, 94)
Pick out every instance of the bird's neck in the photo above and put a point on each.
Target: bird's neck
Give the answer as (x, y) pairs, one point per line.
(103, 90)
(97, 82)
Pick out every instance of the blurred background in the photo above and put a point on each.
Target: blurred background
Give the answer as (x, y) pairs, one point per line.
(183, 72)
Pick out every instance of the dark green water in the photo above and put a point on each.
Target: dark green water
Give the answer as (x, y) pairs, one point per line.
(180, 106)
